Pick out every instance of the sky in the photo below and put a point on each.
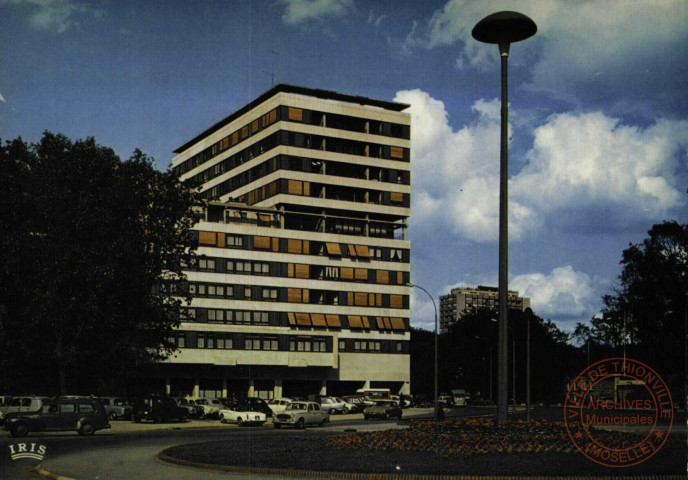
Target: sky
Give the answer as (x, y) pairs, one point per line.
(598, 113)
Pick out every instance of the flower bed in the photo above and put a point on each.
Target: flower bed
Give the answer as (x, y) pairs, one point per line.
(475, 436)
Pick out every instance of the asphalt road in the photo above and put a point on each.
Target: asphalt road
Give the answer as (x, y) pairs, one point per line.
(128, 451)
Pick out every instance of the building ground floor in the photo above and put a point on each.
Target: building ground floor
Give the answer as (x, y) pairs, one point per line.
(212, 381)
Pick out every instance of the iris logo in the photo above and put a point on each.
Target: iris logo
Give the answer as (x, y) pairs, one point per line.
(27, 450)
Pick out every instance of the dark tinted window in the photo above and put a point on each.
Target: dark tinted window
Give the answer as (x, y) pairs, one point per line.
(86, 408)
(67, 408)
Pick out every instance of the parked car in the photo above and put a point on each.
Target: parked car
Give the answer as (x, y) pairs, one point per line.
(347, 406)
(210, 406)
(277, 405)
(331, 405)
(84, 416)
(360, 401)
(422, 400)
(241, 414)
(256, 404)
(300, 414)
(23, 404)
(116, 407)
(383, 409)
(192, 410)
(158, 409)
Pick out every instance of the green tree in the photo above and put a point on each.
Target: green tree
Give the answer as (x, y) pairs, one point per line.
(648, 310)
(93, 263)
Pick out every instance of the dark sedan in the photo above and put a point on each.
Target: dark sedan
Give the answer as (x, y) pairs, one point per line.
(84, 416)
(383, 409)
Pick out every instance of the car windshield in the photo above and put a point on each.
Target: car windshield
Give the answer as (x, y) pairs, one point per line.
(297, 406)
(216, 402)
(201, 402)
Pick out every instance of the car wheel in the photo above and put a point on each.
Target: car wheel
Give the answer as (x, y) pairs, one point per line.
(301, 424)
(157, 419)
(366, 417)
(19, 430)
(323, 422)
(278, 425)
(240, 421)
(222, 419)
(112, 416)
(386, 416)
(345, 410)
(184, 418)
(86, 429)
(137, 419)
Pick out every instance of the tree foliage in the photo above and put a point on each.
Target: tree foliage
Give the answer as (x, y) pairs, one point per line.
(92, 249)
(649, 308)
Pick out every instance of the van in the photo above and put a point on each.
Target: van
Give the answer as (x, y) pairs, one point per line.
(84, 416)
(375, 393)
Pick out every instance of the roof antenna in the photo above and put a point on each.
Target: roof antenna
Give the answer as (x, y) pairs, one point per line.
(272, 74)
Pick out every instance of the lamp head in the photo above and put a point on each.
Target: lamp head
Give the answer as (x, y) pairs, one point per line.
(503, 28)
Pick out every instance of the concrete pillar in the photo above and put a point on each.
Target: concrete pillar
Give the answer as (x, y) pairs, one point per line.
(224, 388)
(323, 387)
(277, 392)
(168, 387)
(251, 389)
(197, 388)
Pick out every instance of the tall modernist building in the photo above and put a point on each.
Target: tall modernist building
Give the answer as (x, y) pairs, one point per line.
(465, 299)
(301, 282)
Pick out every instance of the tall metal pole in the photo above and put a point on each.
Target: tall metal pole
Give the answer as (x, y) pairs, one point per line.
(503, 28)
(528, 367)
(436, 402)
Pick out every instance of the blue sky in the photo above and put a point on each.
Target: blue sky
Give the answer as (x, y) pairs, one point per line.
(599, 113)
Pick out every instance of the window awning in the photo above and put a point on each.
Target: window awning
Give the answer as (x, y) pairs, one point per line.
(363, 251)
(318, 320)
(398, 324)
(303, 319)
(355, 322)
(334, 249)
(333, 321)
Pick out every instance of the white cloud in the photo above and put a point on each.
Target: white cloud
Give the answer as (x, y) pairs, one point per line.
(301, 11)
(55, 15)
(562, 294)
(583, 170)
(608, 44)
(423, 310)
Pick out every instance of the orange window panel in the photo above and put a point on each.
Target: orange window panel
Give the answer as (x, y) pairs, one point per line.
(400, 278)
(347, 273)
(396, 197)
(294, 246)
(273, 188)
(275, 244)
(350, 298)
(371, 299)
(380, 323)
(207, 238)
(254, 126)
(307, 189)
(361, 274)
(396, 301)
(303, 319)
(306, 295)
(383, 277)
(398, 324)
(361, 299)
(235, 138)
(272, 116)
(318, 320)
(334, 249)
(397, 152)
(355, 322)
(303, 271)
(295, 187)
(378, 299)
(265, 218)
(292, 319)
(244, 132)
(307, 247)
(333, 321)
(352, 251)
(290, 270)
(224, 143)
(221, 240)
(294, 295)
(295, 114)
(261, 242)
(363, 251)
(366, 323)
(388, 325)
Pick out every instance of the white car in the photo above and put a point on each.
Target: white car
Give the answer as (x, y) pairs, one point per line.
(211, 406)
(241, 415)
(347, 406)
(300, 414)
(332, 405)
(277, 405)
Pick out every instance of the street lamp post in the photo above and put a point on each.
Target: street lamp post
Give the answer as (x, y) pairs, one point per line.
(503, 29)
(436, 402)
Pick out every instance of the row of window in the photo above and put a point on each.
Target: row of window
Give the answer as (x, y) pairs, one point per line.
(295, 270)
(327, 192)
(299, 140)
(289, 319)
(282, 113)
(302, 247)
(284, 343)
(294, 295)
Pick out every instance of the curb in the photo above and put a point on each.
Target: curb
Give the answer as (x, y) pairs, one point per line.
(385, 476)
(43, 472)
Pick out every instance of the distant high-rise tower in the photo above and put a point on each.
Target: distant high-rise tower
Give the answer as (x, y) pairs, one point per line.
(465, 299)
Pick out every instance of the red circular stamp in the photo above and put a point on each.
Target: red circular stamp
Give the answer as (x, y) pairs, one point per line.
(618, 394)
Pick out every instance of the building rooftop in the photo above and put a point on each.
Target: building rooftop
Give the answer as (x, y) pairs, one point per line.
(311, 92)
